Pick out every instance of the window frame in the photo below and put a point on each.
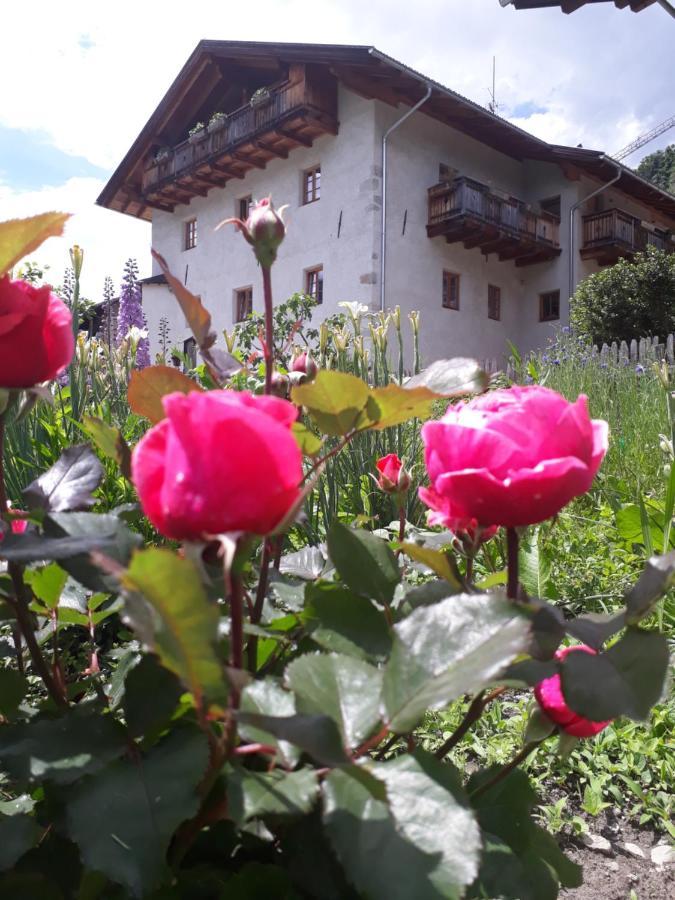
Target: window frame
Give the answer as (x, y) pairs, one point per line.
(248, 200)
(543, 297)
(245, 289)
(190, 233)
(494, 297)
(448, 277)
(308, 275)
(311, 185)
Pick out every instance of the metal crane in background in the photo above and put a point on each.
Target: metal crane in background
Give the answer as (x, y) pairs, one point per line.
(646, 138)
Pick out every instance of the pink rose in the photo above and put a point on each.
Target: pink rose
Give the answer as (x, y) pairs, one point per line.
(36, 334)
(394, 479)
(511, 457)
(221, 461)
(17, 526)
(549, 696)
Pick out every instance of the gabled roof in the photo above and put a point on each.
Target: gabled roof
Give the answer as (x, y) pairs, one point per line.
(569, 6)
(361, 68)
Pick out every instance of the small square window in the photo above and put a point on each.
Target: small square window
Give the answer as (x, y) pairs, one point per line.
(190, 234)
(314, 283)
(244, 207)
(450, 298)
(311, 184)
(243, 303)
(549, 306)
(494, 302)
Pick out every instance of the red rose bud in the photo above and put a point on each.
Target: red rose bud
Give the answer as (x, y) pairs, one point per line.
(36, 334)
(305, 365)
(548, 694)
(264, 230)
(394, 478)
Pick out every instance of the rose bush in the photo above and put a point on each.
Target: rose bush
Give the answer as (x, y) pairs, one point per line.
(549, 696)
(510, 457)
(36, 334)
(219, 462)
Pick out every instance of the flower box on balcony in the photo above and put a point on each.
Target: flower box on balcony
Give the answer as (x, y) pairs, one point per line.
(260, 98)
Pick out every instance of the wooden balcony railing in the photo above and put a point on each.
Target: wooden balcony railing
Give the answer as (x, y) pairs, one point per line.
(290, 103)
(466, 210)
(614, 233)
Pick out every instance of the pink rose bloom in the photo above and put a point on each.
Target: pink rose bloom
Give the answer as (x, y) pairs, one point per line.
(221, 461)
(36, 334)
(393, 478)
(511, 457)
(549, 696)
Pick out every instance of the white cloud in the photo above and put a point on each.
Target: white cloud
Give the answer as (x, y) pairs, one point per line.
(108, 238)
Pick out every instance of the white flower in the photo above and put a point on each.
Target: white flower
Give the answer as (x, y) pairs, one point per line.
(135, 334)
(354, 308)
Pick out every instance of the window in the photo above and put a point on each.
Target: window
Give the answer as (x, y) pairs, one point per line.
(190, 353)
(450, 290)
(551, 205)
(243, 303)
(314, 283)
(244, 207)
(190, 235)
(549, 306)
(494, 302)
(311, 184)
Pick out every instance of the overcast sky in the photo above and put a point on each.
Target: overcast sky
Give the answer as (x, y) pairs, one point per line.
(80, 79)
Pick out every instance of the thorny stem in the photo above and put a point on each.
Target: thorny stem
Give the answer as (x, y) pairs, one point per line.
(256, 613)
(401, 523)
(512, 563)
(236, 630)
(521, 756)
(20, 601)
(473, 714)
(372, 742)
(269, 327)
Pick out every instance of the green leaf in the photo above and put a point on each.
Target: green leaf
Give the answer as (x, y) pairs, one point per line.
(47, 583)
(311, 862)
(396, 404)
(148, 386)
(257, 881)
(334, 400)
(123, 818)
(309, 443)
(19, 237)
(69, 483)
(60, 749)
(178, 622)
(268, 698)
(626, 680)
(364, 562)
(275, 793)
(342, 687)
(151, 695)
(317, 735)
(110, 442)
(436, 560)
(656, 579)
(345, 622)
(534, 568)
(13, 688)
(452, 648)
(17, 835)
(307, 563)
(451, 378)
(393, 846)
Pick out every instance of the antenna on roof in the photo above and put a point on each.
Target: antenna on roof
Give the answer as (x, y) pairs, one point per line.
(493, 106)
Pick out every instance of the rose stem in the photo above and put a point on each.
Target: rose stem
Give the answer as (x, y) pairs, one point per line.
(20, 602)
(521, 756)
(401, 525)
(269, 327)
(236, 629)
(473, 714)
(252, 648)
(512, 563)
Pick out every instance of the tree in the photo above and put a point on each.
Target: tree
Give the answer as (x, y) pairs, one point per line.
(659, 168)
(131, 312)
(628, 300)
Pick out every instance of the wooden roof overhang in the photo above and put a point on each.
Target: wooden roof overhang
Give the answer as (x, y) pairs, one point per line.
(362, 69)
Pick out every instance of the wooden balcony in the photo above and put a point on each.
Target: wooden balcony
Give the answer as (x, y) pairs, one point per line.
(297, 112)
(608, 236)
(468, 211)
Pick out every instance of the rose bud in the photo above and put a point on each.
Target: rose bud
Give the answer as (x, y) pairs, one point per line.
(511, 457)
(36, 334)
(280, 385)
(393, 478)
(305, 364)
(220, 462)
(548, 694)
(264, 230)
(16, 526)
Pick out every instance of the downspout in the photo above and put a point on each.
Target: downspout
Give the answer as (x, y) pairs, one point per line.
(580, 203)
(383, 246)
